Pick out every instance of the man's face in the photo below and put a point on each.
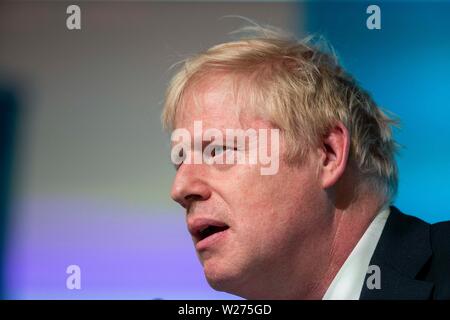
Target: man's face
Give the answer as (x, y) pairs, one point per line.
(263, 228)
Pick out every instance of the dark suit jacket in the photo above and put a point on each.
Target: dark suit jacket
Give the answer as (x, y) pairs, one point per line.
(414, 260)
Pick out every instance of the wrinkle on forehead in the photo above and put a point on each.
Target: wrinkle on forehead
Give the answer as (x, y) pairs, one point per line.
(217, 95)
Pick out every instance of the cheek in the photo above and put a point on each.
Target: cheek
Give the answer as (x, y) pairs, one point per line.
(273, 207)
(286, 189)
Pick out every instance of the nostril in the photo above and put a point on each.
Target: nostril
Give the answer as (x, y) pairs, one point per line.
(193, 197)
(189, 199)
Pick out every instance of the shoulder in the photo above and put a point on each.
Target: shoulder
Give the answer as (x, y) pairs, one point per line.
(407, 227)
(438, 234)
(440, 264)
(441, 231)
(435, 237)
(440, 242)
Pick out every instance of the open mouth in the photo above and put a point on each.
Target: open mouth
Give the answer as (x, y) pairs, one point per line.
(206, 231)
(210, 235)
(209, 230)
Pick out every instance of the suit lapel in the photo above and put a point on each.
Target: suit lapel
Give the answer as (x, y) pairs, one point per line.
(395, 285)
(402, 251)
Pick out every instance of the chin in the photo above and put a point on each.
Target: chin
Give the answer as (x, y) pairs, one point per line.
(218, 276)
(226, 278)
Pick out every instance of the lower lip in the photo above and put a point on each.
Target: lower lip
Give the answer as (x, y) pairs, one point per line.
(211, 240)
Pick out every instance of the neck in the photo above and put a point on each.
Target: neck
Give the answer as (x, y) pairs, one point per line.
(349, 226)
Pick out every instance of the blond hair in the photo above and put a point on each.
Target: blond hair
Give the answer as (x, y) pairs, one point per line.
(303, 91)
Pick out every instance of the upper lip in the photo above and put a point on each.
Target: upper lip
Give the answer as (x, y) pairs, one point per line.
(197, 225)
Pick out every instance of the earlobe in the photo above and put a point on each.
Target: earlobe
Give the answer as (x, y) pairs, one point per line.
(335, 148)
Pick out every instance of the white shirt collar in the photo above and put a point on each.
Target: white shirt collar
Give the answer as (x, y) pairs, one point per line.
(348, 282)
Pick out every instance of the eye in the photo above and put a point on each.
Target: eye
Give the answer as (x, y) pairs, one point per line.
(217, 150)
(220, 149)
(181, 157)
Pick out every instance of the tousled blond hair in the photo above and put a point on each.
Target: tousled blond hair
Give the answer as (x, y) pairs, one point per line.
(302, 90)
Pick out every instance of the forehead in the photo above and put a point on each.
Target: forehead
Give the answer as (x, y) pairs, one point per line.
(212, 100)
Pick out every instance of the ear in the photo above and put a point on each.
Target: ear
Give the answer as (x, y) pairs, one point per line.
(334, 151)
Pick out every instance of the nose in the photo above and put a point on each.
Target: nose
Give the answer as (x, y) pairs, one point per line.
(190, 185)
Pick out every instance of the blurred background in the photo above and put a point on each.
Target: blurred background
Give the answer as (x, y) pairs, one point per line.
(85, 171)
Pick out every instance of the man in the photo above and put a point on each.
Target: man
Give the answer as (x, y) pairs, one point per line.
(319, 226)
